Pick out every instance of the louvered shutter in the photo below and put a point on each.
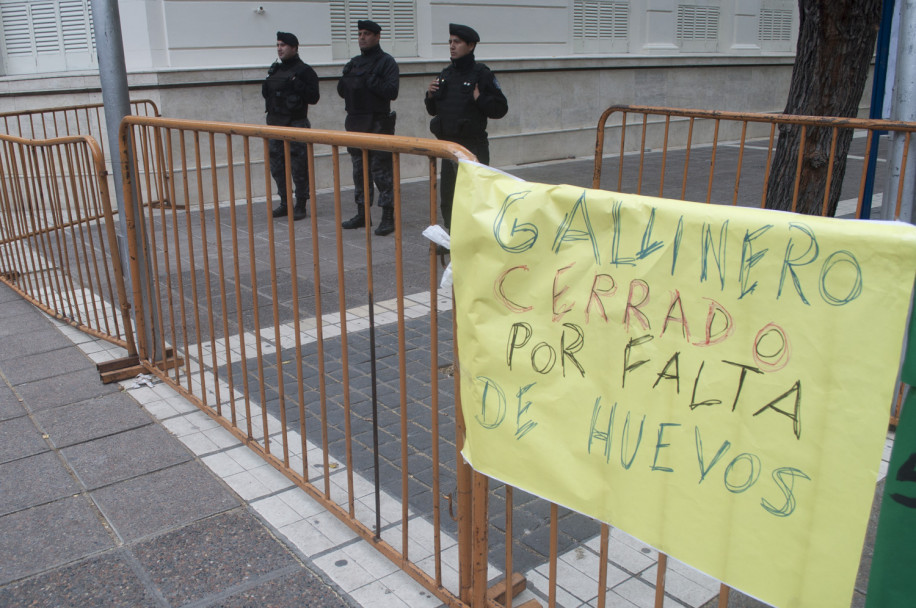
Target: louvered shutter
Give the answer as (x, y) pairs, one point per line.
(398, 19)
(47, 35)
(774, 28)
(601, 26)
(698, 27)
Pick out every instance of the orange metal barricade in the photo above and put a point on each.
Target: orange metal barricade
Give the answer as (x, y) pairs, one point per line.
(89, 120)
(678, 153)
(57, 241)
(319, 348)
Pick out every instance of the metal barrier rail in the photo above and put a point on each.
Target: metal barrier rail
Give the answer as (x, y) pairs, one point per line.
(818, 138)
(285, 334)
(89, 120)
(688, 171)
(58, 246)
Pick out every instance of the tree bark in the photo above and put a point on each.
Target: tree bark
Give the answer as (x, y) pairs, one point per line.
(836, 42)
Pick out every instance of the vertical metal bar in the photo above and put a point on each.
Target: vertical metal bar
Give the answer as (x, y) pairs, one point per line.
(255, 295)
(236, 277)
(712, 161)
(623, 137)
(195, 296)
(602, 566)
(552, 559)
(687, 159)
(342, 313)
(798, 166)
(367, 192)
(740, 162)
(402, 352)
(294, 277)
(867, 167)
(723, 596)
(661, 185)
(168, 275)
(211, 326)
(344, 336)
(509, 568)
(480, 500)
(903, 160)
(599, 149)
(434, 376)
(221, 280)
(826, 201)
(462, 481)
(281, 397)
(766, 171)
(660, 572)
(642, 152)
(176, 241)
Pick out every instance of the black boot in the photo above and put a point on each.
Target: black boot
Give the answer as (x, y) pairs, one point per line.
(281, 210)
(301, 211)
(387, 224)
(357, 221)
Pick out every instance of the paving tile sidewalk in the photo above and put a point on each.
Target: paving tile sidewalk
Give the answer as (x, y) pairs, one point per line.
(102, 506)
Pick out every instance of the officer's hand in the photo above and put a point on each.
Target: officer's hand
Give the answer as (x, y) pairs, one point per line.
(433, 88)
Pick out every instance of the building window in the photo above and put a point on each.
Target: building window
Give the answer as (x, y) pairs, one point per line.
(698, 28)
(398, 19)
(47, 36)
(601, 26)
(774, 27)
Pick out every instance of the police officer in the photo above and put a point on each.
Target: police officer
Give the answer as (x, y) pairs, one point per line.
(460, 100)
(290, 87)
(369, 84)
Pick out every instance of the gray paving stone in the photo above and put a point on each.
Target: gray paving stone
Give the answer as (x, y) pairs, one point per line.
(297, 589)
(64, 389)
(33, 343)
(21, 319)
(118, 457)
(47, 536)
(105, 415)
(211, 555)
(106, 581)
(32, 481)
(10, 406)
(162, 500)
(19, 438)
(31, 368)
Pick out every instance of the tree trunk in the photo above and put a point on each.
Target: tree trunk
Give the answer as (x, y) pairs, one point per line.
(836, 42)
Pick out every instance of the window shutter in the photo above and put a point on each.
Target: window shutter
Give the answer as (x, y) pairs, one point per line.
(698, 27)
(398, 19)
(601, 25)
(47, 35)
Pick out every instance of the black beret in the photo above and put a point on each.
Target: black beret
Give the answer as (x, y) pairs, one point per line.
(464, 32)
(287, 38)
(372, 26)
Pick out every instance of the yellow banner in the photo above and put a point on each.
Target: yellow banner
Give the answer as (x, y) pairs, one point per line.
(713, 380)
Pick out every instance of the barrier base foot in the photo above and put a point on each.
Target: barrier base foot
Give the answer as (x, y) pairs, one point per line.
(120, 369)
(514, 585)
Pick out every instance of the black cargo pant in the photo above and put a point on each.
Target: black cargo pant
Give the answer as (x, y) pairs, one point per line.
(381, 169)
(299, 166)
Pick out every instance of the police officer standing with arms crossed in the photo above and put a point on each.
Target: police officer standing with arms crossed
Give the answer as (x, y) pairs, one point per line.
(369, 84)
(291, 86)
(460, 100)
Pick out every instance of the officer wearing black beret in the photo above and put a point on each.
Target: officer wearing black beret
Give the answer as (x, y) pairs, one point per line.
(460, 100)
(369, 84)
(290, 87)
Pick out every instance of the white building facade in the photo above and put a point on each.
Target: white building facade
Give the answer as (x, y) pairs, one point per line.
(560, 62)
